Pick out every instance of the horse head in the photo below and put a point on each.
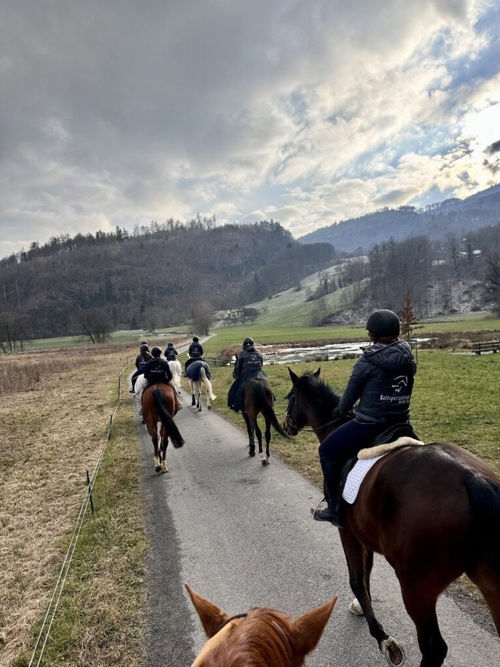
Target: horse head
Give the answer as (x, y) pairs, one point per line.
(310, 403)
(262, 637)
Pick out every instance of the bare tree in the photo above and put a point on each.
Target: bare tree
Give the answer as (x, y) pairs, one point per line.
(94, 324)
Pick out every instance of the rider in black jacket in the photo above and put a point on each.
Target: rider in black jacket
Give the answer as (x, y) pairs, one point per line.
(379, 392)
(248, 365)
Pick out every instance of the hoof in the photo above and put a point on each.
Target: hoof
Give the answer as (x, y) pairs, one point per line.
(251, 452)
(392, 652)
(355, 608)
(157, 467)
(193, 402)
(209, 407)
(164, 467)
(264, 460)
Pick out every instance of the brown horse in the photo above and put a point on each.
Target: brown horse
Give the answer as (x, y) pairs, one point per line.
(260, 638)
(159, 405)
(432, 511)
(258, 398)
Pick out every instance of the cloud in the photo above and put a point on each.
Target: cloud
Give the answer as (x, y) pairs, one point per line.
(307, 112)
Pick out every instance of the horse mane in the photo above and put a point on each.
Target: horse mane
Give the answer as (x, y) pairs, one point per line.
(263, 640)
(321, 394)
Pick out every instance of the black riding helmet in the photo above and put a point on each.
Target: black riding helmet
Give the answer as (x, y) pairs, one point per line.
(170, 345)
(248, 342)
(144, 347)
(156, 352)
(195, 339)
(383, 323)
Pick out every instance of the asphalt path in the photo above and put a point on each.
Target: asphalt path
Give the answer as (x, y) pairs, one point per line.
(241, 534)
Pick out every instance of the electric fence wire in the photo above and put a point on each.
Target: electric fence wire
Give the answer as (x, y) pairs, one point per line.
(44, 634)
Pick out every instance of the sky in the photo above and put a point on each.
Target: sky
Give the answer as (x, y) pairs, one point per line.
(307, 112)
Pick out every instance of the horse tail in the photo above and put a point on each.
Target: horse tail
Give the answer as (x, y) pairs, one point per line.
(207, 383)
(268, 407)
(484, 498)
(166, 419)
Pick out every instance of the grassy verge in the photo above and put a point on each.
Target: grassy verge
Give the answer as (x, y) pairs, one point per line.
(52, 433)
(99, 619)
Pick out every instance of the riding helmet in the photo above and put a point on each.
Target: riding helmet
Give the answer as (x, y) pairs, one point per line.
(195, 339)
(156, 352)
(170, 345)
(248, 342)
(383, 323)
(144, 347)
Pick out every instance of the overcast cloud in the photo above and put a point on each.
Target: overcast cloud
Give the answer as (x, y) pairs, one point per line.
(307, 111)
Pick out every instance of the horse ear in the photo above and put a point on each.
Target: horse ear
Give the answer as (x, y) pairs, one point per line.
(293, 377)
(211, 616)
(316, 373)
(309, 627)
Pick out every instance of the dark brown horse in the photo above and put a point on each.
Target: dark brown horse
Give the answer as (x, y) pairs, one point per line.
(262, 637)
(258, 398)
(432, 511)
(159, 405)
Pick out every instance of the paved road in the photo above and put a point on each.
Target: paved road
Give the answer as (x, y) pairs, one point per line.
(241, 535)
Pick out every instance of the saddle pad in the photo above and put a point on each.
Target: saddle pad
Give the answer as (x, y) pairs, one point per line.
(355, 477)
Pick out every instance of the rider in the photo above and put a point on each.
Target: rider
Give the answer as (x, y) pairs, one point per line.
(195, 351)
(379, 392)
(140, 362)
(170, 352)
(158, 371)
(248, 365)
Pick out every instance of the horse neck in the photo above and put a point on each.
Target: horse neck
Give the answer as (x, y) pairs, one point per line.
(320, 416)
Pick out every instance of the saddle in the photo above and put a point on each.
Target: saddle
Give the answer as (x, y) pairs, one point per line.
(391, 434)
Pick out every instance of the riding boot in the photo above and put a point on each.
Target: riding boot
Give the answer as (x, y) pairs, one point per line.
(331, 485)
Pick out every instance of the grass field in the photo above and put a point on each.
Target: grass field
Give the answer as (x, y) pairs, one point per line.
(54, 417)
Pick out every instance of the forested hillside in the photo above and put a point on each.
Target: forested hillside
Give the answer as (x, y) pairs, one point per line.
(157, 277)
(452, 217)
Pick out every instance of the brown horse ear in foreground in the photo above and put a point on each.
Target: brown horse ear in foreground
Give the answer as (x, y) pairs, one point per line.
(262, 637)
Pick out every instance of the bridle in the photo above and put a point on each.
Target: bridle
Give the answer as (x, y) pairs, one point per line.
(289, 421)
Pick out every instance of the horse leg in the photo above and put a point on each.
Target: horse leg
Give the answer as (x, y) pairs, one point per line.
(153, 432)
(420, 598)
(267, 435)
(163, 449)
(359, 563)
(488, 582)
(193, 400)
(251, 438)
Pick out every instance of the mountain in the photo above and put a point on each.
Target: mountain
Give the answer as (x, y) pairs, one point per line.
(155, 278)
(438, 221)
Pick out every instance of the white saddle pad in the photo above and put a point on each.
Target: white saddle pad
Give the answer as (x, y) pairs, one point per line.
(355, 478)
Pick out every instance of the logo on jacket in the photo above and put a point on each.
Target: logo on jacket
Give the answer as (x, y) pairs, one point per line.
(400, 382)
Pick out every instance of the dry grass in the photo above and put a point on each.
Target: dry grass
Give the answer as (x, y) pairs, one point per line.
(53, 425)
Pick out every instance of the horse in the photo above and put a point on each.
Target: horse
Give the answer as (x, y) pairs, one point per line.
(432, 511)
(258, 398)
(198, 373)
(261, 637)
(159, 407)
(140, 385)
(176, 370)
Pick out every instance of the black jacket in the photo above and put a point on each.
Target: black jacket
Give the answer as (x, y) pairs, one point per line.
(195, 350)
(157, 371)
(382, 382)
(141, 360)
(248, 364)
(170, 353)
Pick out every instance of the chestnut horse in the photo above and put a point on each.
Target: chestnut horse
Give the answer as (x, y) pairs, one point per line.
(159, 405)
(432, 511)
(262, 637)
(258, 398)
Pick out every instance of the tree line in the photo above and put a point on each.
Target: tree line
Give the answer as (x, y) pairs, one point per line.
(158, 276)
